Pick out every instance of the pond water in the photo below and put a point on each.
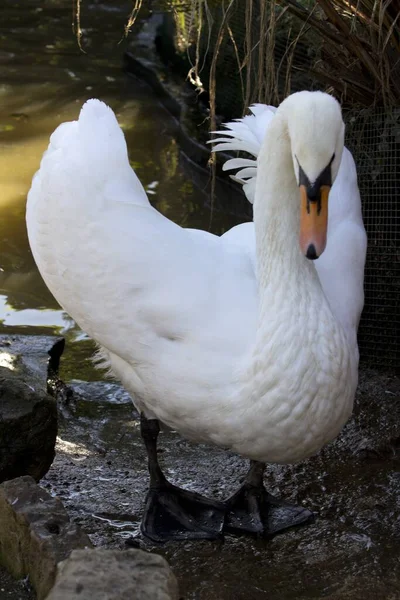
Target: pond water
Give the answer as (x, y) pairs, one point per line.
(45, 79)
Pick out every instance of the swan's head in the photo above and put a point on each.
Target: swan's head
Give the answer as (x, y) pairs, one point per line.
(316, 132)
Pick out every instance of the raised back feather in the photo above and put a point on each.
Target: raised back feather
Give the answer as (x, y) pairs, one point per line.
(246, 135)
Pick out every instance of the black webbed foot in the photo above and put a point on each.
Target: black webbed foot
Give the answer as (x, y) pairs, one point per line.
(253, 510)
(172, 513)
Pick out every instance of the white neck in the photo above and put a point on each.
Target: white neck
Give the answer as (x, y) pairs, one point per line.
(297, 374)
(285, 276)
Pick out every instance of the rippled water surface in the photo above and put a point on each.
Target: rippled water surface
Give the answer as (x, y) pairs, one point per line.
(44, 79)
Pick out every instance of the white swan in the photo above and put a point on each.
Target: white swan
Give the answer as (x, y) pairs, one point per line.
(240, 349)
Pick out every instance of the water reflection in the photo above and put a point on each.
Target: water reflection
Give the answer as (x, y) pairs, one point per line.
(44, 81)
(31, 317)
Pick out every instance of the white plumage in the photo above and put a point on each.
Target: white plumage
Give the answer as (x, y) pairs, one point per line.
(228, 339)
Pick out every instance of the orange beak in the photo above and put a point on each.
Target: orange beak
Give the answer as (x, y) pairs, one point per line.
(313, 221)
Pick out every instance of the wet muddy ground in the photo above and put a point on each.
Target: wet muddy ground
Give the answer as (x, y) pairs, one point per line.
(14, 590)
(352, 551)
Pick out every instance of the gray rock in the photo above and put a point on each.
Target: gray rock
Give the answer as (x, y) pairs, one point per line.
(28, 354)
(35, 533)
(114, 575)
(28, 426)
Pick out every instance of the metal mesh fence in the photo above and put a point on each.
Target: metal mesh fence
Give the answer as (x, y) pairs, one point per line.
(372, 135)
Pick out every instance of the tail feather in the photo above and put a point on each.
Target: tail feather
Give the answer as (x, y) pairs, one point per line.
(91, 152)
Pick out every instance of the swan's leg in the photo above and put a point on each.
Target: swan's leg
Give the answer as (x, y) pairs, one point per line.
(172, 513)
(253, 510)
